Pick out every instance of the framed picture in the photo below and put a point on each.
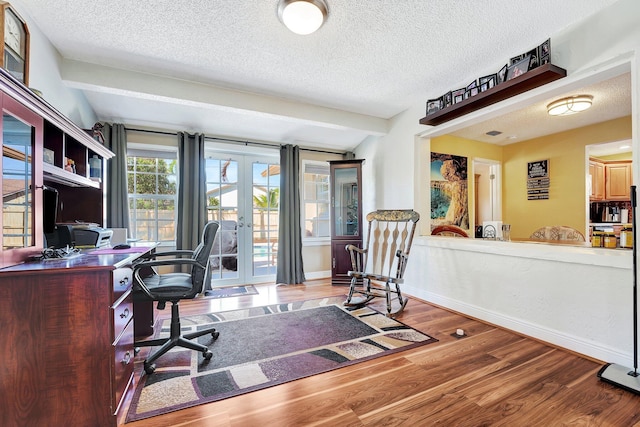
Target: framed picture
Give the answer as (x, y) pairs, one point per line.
(487, 82)
(544, 52)
(518, 69)
(447, 100)
(434, 105)
(516, 59)
(471, 92)
(472, 85)
(534, 62)
(457, 95)
(502, 74)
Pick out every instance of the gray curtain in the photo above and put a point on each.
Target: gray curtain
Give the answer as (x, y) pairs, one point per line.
(115, 139)
(290, 269)
(192, 206)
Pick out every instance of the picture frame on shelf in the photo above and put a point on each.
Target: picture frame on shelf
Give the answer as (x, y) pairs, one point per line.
(457, 95)
(535, 59)
(487, 82)
(434, 105)
(544, 52)
(516, 59)
(471, 89)
(518, 68)
(447, 100)
(502, 74)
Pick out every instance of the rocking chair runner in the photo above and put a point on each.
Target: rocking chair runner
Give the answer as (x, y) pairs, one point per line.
(381, 263)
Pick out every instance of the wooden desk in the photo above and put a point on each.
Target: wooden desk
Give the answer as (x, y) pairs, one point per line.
(67, 348)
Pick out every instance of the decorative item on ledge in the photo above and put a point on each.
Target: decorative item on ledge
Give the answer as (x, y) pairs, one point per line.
(527, 81)
(449, 106)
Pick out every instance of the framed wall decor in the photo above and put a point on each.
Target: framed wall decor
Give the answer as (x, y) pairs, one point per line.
(457, 95)
(544, 52)
(487, 82)
(535, 59)
(518, 68)
(447, 100)
(502, 74)
(434, 105)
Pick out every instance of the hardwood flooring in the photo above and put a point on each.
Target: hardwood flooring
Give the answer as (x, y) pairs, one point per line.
(493, 377)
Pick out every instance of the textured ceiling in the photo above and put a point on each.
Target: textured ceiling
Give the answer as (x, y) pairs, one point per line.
(374, 58)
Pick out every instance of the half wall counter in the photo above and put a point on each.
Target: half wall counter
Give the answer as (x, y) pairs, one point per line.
(575, 297)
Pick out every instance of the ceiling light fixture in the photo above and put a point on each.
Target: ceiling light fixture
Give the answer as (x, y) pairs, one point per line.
(302, 16)
(569, 105)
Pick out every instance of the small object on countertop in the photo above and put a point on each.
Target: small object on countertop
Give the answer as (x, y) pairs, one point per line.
(122, 246)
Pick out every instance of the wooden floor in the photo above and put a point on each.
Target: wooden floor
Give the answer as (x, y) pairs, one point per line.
(492, 377)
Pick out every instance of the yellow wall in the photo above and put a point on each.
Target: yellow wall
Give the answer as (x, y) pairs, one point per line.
(567, 171)
(471, 149)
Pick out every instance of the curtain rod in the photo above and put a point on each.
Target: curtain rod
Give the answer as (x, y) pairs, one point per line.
(236, 141)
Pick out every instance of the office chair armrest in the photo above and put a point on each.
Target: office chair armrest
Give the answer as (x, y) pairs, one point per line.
(139, 281)
(180, 252)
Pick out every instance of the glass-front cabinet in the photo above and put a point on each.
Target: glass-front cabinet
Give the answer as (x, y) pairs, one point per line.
(346, 215)
(21, 179)
(43, 152)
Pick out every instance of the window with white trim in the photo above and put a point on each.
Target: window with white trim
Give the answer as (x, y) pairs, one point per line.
(152, 190)
(316, 213)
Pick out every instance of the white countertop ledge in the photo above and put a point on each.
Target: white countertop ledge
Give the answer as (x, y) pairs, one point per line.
(613, 258)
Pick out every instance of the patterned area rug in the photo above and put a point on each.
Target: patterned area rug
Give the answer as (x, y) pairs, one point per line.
(265, 346)
(230, 291)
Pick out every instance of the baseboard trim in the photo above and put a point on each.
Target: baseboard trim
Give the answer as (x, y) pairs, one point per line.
(571, 343)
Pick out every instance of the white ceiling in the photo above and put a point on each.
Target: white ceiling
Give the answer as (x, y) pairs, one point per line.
(370, 61)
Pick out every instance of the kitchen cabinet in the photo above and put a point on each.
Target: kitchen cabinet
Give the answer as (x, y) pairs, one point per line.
(618, 180)
(346, 215)
(596, 172)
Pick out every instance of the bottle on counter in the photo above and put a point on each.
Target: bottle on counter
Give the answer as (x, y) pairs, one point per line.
(609, 240)
(626, 236)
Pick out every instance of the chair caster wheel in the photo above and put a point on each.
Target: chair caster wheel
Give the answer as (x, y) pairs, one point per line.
(207, 355)
(215, 335)
(149, 369)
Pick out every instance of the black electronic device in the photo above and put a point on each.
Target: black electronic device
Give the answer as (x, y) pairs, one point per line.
(49, 209)
(122, 246)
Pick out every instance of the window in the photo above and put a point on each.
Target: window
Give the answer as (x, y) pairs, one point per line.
(152, 182)
(316, 200)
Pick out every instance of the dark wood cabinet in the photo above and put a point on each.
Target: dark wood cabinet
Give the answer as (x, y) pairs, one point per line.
(41, 147)
(67, 351)
(346, 215)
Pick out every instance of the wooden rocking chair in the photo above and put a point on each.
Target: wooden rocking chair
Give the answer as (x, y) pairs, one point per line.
(382, 261)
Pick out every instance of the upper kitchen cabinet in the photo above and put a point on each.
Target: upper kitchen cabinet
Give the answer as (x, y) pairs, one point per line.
(618, 180)
(610, 180)
(596, 172)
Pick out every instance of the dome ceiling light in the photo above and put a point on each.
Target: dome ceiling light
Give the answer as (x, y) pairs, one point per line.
(302, 16)
(569, 105)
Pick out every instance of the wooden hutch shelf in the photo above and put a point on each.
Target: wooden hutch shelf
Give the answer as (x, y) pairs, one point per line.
(529, 80)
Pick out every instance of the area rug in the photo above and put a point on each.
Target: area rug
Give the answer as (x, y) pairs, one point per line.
(230, 291)
(265, 346)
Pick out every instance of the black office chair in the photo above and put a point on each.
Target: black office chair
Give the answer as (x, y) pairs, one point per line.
(173, 287)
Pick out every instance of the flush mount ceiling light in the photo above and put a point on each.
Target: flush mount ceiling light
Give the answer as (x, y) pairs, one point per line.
(302, 16)
(569, 105)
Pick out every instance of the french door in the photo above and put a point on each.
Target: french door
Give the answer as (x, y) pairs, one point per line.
(243, 192)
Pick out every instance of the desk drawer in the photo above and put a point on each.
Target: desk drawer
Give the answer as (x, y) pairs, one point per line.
(122, 280)
(123, 365)
(122, 314)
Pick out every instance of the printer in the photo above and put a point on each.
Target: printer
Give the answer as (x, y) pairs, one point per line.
(80, 235)
(91, 236)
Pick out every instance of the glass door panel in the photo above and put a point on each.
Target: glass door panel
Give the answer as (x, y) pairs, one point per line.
(17, 198)
(243, 194)
(222, 205)
(345, 203)
(266, 198)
